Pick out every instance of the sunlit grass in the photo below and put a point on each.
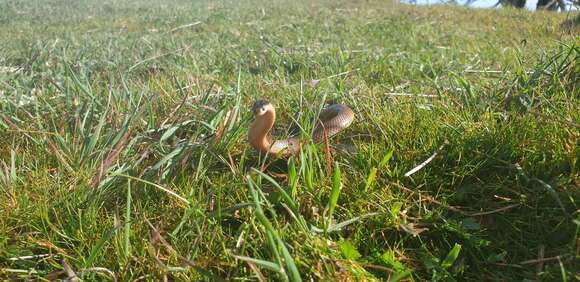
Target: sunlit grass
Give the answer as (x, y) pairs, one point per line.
(123, 142)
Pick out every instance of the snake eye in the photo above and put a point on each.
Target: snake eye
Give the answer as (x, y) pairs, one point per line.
(260, 111)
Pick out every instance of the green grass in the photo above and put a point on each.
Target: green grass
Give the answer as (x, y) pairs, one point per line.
(123, 150)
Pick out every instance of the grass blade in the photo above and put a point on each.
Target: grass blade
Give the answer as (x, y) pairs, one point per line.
(154, 185)
(336, 186)
(294, 274)
(451, 256)
(292, 178)
(97, 248)
(13, 174)
(263, 263)
(128, 221)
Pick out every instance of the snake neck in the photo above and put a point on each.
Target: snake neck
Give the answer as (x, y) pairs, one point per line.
(260, 130)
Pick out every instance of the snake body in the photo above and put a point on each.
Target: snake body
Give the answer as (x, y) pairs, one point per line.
(333, 119)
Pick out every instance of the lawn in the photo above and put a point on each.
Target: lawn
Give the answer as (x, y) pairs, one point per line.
(123, 148)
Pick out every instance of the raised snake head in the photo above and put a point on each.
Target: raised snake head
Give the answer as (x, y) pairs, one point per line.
(260, 107)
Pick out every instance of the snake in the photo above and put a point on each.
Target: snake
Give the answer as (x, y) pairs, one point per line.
(333, 119)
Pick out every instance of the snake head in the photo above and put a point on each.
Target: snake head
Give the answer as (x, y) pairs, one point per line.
(260, 107)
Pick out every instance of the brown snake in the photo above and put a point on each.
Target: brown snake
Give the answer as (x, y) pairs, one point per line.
(331, 121)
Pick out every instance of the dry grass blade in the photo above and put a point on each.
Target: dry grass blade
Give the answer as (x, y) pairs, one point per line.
(30, 257)
(185, 26)
(174, 111)
(379, 267)
(9, 122)
(184, 200)
(397, 94)
(412, 228)
(58, 155)
(535, 261)
(152, 247)
(495, 211)
(100, 269)
(155, 237)
(256, 271)
(6, 180)
(423, 164)
(222, 126)
(70, 273)
(540, 266)
(108, 161)
(493, 71)
(54, 275)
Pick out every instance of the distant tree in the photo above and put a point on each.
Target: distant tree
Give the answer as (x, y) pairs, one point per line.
(551, 5)
(512, 3)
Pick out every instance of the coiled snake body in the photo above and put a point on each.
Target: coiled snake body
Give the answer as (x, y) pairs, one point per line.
(331, 121)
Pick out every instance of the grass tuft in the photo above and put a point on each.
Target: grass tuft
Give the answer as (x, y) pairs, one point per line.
(123, 151)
